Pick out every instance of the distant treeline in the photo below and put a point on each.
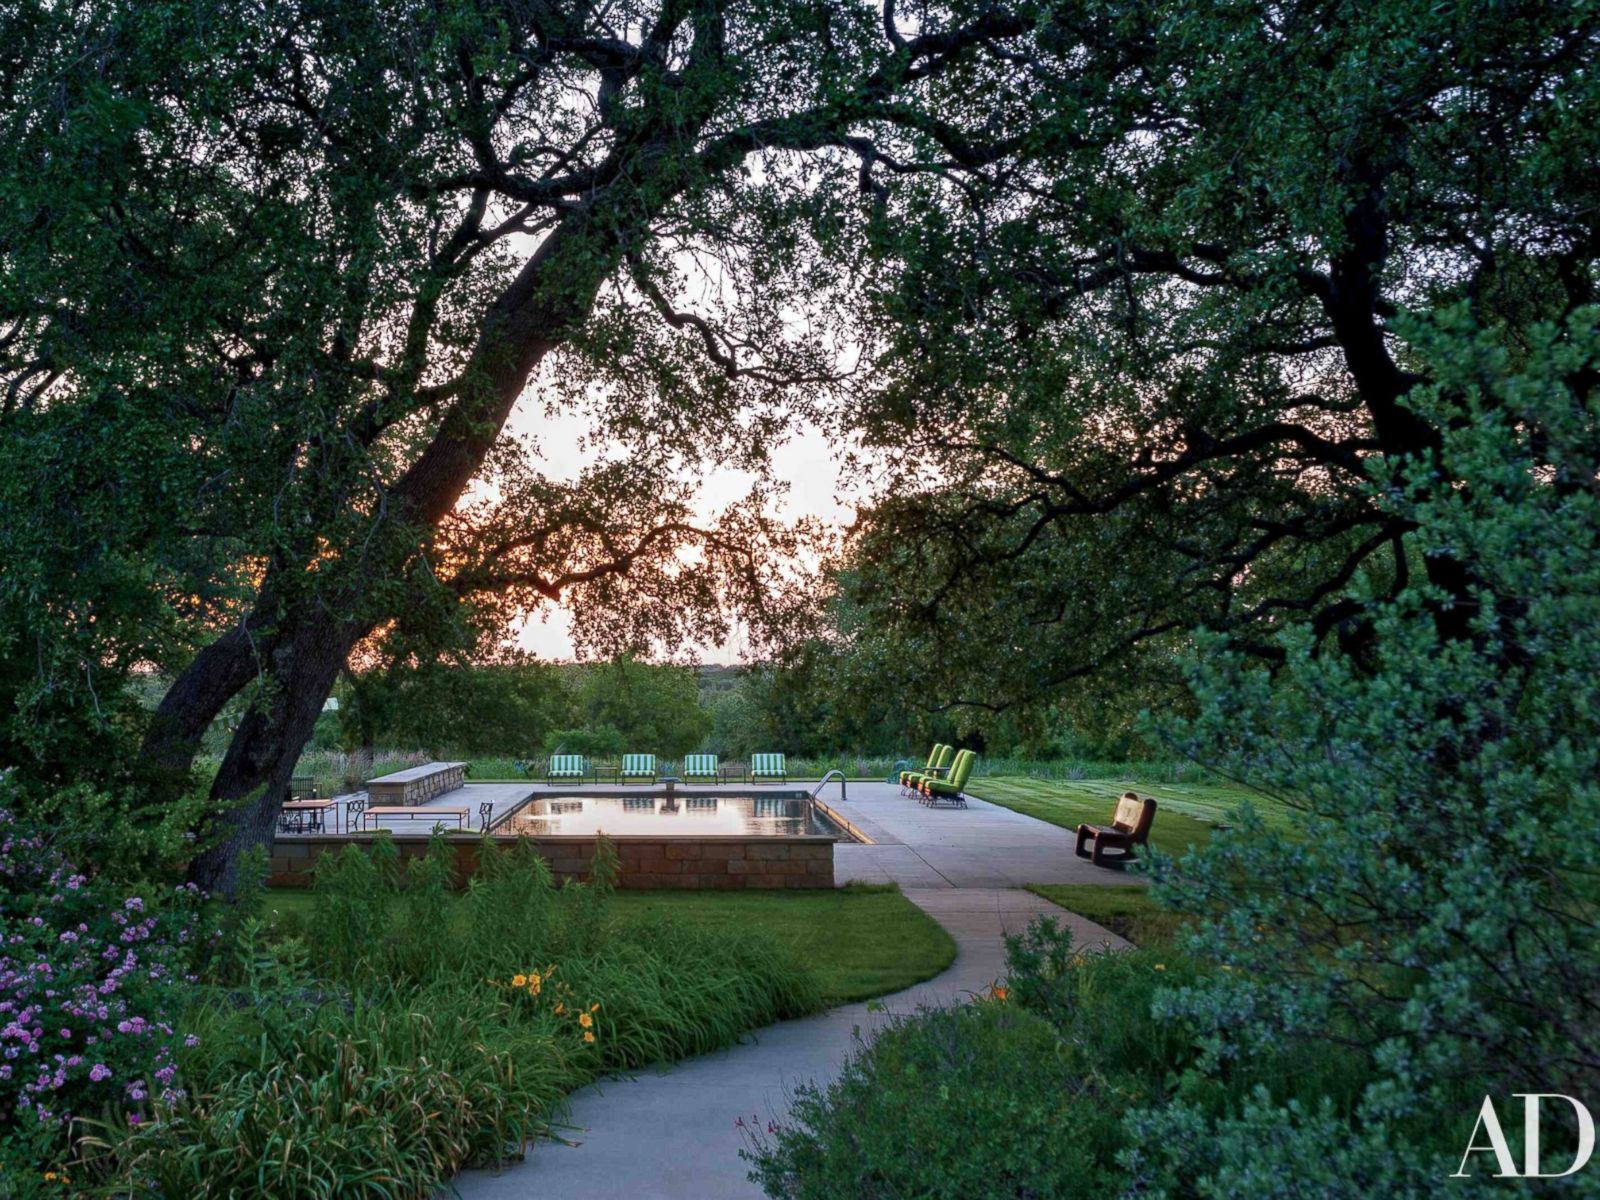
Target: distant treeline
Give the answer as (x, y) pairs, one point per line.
(529, 709)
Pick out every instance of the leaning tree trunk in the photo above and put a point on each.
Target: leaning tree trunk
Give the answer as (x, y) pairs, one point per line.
(250, 786)
(310, 641)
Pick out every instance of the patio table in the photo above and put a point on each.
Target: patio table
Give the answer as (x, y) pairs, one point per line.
(304, 816)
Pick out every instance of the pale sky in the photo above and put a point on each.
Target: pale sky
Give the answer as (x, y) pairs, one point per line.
(806, 463)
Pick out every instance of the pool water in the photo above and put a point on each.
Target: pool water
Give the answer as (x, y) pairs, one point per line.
(683, 815)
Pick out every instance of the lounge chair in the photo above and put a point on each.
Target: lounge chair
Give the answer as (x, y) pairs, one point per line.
(567, 768)
(700, 766)
(1130, 827)
(938, 768)
(765, 768)
(638, 768)
(935, 790)
(933, 761)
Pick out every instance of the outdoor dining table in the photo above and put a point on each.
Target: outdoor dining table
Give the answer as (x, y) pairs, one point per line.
(305, 816)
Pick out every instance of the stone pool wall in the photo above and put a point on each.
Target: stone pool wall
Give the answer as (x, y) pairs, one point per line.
(714, 863)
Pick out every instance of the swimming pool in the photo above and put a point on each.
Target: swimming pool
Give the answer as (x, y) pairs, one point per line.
(683, 814)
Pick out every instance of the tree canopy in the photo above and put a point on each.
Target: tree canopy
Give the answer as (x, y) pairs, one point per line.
(1135, 303)
(275, 276)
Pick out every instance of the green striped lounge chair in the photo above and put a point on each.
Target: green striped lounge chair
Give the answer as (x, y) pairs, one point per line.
(765, 768)
(938, 761)
(567, 768)
(936, 790)
(637, 768)
(700, 766)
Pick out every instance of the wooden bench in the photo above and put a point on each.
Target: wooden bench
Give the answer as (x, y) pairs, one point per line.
(411, 812)
(1130, 827)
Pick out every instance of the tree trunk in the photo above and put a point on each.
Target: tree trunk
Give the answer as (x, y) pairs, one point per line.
(251, 784)
(1351, 303)
(553, 291)
(217, 674)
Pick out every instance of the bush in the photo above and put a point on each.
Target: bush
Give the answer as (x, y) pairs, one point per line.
(983, 1100)
(1433, 915)
(90, 984)
(401, 1033)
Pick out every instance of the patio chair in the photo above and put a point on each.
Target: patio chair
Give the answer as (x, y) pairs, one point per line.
(933, 760)
(638, 768)
(567, 767)
(767, 768)
(1130, 827)
(700, 766)
(938, 766)
(303, 787)
(936, 790)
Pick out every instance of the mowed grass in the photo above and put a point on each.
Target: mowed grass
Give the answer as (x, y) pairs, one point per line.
(1185, 814)
(1125, 909)
(857, 941)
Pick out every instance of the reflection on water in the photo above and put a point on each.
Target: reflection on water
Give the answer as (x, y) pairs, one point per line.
(656, 816)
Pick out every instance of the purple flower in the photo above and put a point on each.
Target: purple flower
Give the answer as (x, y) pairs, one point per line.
(99, 1071)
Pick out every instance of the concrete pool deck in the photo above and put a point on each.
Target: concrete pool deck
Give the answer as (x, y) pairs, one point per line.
(670, 1134)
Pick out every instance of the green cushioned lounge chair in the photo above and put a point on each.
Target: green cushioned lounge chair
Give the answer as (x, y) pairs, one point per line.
(933, 761)
(939, 768)
(936, 790)
(700, 766)
(567, 768)
(637, 768)
(767, 768)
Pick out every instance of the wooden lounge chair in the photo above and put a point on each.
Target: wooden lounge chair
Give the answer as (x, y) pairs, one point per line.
(1130, 827)
(567, 768)
(939, 764)
(936, 790)
(768, 768)
(638, 768)
(700, 766)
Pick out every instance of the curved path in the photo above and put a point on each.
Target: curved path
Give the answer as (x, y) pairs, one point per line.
(670, 1134)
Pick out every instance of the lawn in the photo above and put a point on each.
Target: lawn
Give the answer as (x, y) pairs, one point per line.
(858, 941)
(1125, 909)
(1186, 815)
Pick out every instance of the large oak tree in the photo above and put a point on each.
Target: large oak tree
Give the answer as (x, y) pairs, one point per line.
(1139, 303)
(275, 273)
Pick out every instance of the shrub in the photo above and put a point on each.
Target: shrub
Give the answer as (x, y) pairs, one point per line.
(90, 984)
(1432, 919)
(984, 1100)
(410, 1033)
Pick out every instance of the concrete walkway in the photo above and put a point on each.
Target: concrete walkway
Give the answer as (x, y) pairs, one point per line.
(670, 1135)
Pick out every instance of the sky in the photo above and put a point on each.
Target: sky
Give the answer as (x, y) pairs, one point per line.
(807, 463)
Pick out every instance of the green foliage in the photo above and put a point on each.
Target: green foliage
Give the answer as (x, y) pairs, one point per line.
(1126, 910)
(605, 742)
(857, 941)
(373, 1045)
(653, 709)
(1435, 911)
(982, 1100)
(454, 708)
(91, 983)
(1049, 1085)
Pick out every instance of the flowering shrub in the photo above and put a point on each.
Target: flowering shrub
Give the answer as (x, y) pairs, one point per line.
(88, 982)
